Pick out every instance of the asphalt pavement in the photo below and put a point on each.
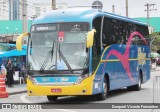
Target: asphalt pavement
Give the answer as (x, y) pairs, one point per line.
(71, 103)
(21, 88)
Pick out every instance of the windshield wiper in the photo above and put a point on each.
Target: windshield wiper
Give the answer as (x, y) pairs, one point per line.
(49, 55)
(64, 59)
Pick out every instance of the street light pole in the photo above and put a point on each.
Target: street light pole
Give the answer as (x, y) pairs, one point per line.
(7, 35)
(148, 9)
(126, 8)
(7, 30)
(53, 4)
(113, 9)
(24, 16)
(16, 29)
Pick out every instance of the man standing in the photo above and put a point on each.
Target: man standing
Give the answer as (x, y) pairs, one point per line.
(9, 73)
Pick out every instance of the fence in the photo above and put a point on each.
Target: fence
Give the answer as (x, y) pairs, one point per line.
(156, 89)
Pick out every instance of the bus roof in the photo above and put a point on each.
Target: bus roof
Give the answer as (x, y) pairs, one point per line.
(78, 15)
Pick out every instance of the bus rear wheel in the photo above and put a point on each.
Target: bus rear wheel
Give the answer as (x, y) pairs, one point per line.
(103, 95)
(52, 98)
(136, 87)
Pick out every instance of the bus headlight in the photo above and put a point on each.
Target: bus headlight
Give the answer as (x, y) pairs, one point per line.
(32, 79)
(81, 78)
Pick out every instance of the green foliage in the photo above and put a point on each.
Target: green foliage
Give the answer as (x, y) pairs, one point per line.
(156, 42)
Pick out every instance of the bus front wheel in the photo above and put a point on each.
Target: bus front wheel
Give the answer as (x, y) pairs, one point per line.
(52, 98)
(103, 95)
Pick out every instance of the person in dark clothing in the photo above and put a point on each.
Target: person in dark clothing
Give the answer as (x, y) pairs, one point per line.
(9, 76)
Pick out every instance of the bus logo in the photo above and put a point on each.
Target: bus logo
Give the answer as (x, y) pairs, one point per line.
(76, 28)
(56, 79)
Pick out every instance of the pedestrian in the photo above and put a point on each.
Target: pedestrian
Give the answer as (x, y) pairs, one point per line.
(9, 76)
(156, 60)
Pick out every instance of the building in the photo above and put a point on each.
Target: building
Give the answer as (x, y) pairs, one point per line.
(42, 8)
(9, 30)
(4, 10)
(10, 10)
(61, 5)
(15, 8)
(153, 21)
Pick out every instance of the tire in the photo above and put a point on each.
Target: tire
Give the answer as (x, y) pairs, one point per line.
(52, 98)
(136, 87)
(103, 95)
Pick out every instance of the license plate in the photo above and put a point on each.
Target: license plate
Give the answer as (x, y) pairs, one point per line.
(56, 90)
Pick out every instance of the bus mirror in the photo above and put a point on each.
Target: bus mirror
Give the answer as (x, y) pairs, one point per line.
(19, 40)
(90, 38)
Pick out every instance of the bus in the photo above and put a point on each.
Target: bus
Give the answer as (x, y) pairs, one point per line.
(82, 51)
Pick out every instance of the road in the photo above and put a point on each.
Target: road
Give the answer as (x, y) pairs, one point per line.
(68, 103)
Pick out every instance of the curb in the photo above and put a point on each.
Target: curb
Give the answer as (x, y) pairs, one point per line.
(17, 92)
(154, 70)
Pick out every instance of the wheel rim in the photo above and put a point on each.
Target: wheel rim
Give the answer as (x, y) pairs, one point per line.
(104, 88)
(139, 83)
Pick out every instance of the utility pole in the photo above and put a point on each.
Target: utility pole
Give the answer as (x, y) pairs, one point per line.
(53, 4)
(149, 6)
(113, 9)
(24, 16)
(126, 8)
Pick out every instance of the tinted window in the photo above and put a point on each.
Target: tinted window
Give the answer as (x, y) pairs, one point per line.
(118, 32)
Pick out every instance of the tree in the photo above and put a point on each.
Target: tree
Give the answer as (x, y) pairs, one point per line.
(155, 45)
(158, 51)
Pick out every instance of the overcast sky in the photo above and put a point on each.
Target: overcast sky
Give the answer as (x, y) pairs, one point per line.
(136, 7)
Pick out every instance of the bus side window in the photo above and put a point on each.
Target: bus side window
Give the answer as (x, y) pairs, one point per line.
(107, 37)
(96, 49)
(104, 39)
(143, 31)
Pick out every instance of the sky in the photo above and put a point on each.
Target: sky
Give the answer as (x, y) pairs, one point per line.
(136, 7)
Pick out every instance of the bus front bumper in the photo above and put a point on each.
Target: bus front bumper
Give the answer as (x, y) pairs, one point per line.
(84, 88)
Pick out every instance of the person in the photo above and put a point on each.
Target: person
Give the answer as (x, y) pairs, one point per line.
(9, 76)
(158, 62)
(22, 74)
(3, 69)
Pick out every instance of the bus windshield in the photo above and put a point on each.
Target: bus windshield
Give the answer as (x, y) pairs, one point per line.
(60, 46)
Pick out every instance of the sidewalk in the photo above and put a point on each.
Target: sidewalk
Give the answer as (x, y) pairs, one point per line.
(16, 89)
(157, 69)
